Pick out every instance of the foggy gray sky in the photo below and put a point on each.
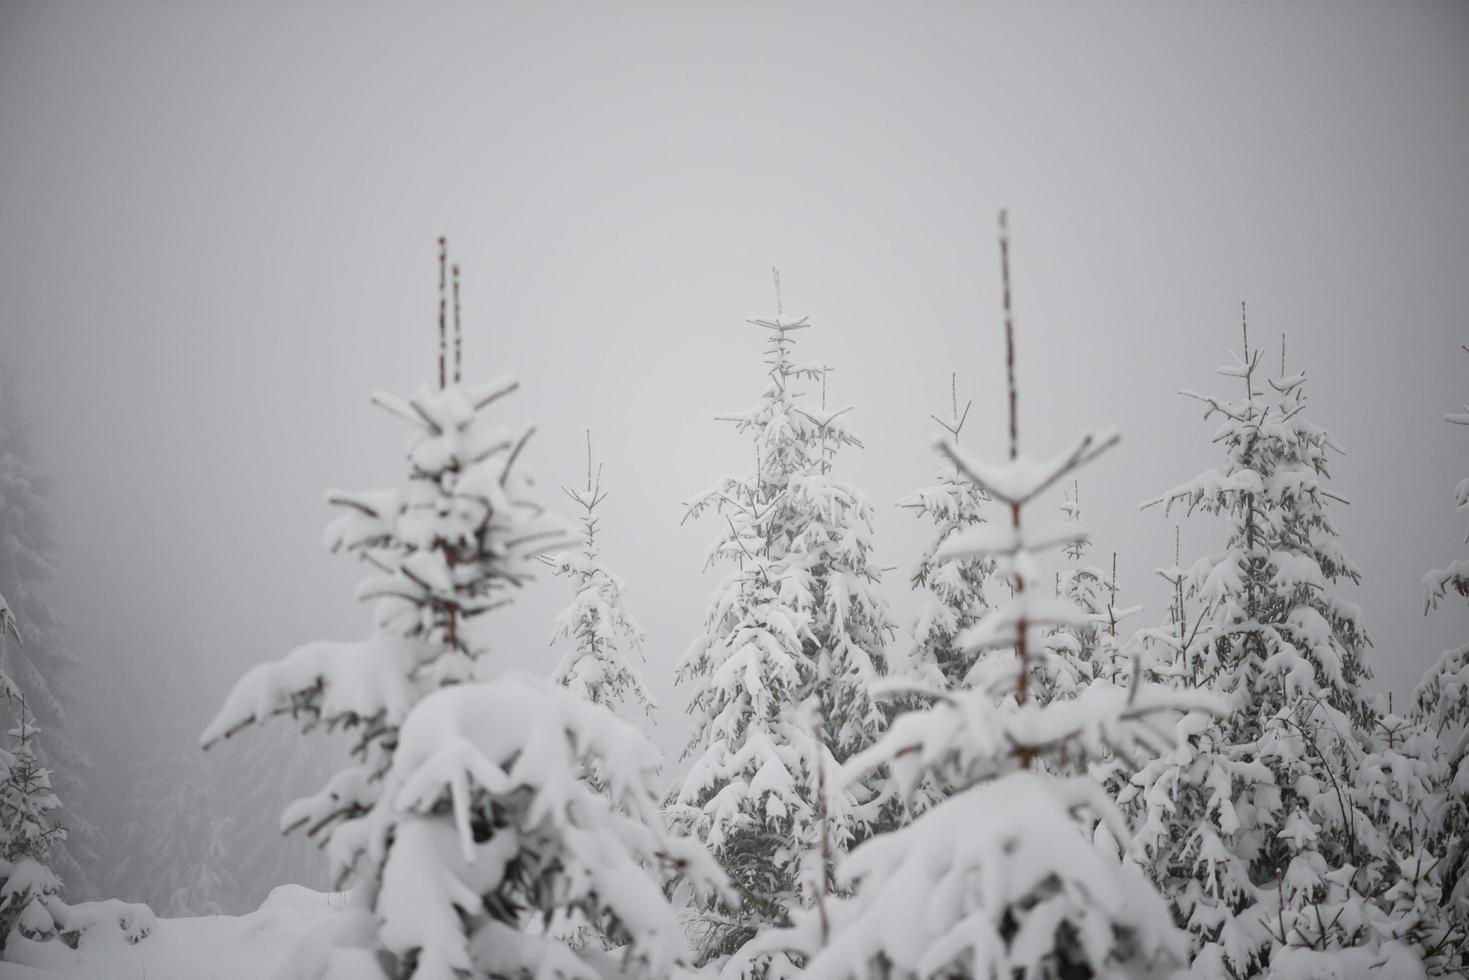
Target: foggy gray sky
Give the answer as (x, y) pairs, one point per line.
(217, 229)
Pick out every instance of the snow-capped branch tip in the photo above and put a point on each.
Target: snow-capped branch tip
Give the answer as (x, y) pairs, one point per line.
(1021, 480)
(1039, 730)
(219, 730)
(1287, 383)
(781, 324)
(829, 418)
(408, 409)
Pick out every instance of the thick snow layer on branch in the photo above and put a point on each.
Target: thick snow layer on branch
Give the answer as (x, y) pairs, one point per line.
(349, 790)
(781, 323)
(331, 680)
(1439, 582)
(998, 880)
(1208, 486)
(967, 737)
(1393, 961)
(1002, 539)
(1021, 479)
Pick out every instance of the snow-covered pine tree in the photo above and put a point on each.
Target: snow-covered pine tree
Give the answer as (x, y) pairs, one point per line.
(1291, 656)
(1397, 786)
(849, 617)
(601, 632)
(30, 829)
(466, 829)
(953, 593)
(954, 596)
(1001, 879)
(793, 639)
(444, 547)
(493, 836)
(1442, 704)
(1455, 577)
(602, 636)
(1182, 804)
(40, 663)
(31, 908)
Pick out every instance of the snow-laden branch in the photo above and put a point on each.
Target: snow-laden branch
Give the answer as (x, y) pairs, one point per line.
(1021, 480)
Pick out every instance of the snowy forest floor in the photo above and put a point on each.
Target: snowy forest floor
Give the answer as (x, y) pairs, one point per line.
(211, 947)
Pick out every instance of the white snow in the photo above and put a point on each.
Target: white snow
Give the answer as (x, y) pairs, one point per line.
(256, 946)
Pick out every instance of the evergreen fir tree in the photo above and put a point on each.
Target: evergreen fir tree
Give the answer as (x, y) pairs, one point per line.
(1182, 804)
(793, 640)
(602, 634)
(597, 625)
(954, 591)
(1000, 879)
(31, 908)
(39, 663)
(1454, 578)
(1397, 787)
(1442, 705)
(30, 829)
(466, 828)
(444, 548)
(1291, 657)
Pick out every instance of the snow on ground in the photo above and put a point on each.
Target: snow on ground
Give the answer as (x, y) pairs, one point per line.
(211, 947)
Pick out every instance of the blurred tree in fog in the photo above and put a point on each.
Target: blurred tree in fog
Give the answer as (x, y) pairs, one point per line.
(39, 662)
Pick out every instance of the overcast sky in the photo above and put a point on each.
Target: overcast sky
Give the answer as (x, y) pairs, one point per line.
(217, 229)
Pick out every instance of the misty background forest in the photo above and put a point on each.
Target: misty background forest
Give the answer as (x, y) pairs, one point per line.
(802, 598)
